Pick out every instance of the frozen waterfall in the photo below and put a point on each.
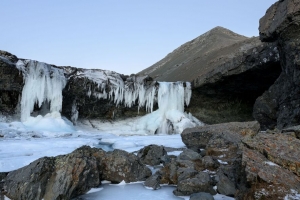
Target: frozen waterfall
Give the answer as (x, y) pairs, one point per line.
(43, 87)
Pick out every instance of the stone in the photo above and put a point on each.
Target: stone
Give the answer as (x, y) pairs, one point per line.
(71, 175)
(186, 173)
(152, 154)
(281, 149)
(225, 185)
(200, 183)
(153, 181)
(210, 163)
(198, 137)
(188, 154)
(201, 196)
(120, 165)
(279, 106)
(265, 178)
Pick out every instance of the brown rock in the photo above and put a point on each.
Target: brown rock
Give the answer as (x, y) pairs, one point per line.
(281, 149)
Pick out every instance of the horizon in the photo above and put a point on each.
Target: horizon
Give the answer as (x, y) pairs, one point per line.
(125, 37)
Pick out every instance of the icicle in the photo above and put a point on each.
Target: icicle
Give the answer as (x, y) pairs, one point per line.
(75, 113)
(42, 83)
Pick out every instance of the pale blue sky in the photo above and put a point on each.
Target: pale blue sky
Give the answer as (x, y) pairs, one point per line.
(125, 36)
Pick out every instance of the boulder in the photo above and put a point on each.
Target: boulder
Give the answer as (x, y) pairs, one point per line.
(153, 181)
(198, 137)
(200, 183)
(225, 185)
(188, 154)
(281, 149)
(210, 163)
(266, 179)
(68, 176)
(279, 106)
(152, 155)
(120, 165)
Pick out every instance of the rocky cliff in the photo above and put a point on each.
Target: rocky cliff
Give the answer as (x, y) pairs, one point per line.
(279, 106)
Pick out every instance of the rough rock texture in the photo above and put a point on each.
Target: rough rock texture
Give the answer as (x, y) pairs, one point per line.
(281, 149)
(222, 66)
(11, 83)
(120, 165)
(251, 164)
(199, 137)
(200, 183)
(152, 154)
(280, 105)
(67, 176)
(268, 180)
(153, 181)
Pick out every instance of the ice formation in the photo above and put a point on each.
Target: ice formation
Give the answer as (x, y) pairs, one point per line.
(43, 87)
(171, 98)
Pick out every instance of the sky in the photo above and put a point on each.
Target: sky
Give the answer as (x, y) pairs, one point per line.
(123, 36)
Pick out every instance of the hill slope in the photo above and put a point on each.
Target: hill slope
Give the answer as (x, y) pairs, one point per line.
(199, 55)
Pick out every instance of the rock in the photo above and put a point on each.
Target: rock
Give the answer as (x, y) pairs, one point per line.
(201, 196)
(188, 154)
(279, 106)
(225, 185)
(11, 83)
(169, 172)
(267, 179)
(120, 165)
(67, 176)
(186, 173)
(210, 163)
(62, 177)
(200, 183)
(152, 154)
(198, 137)
(153, 181)
(293, 129)
(281, 149)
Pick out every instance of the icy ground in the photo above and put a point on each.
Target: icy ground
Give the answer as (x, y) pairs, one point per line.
(22, 143)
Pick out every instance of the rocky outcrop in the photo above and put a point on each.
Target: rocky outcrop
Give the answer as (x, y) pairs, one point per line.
(280, 105)
(11, 83)
(252, 164)
(67, 176)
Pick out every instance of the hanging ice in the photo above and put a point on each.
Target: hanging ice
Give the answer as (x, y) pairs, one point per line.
(43, 86)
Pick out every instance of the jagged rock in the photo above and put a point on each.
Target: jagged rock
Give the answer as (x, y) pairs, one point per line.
(200, 183)
(186, 173)
(280, 105)
(225, 185)
(266, 179)
(152, 154)
(169, 172)
(11, 83)
(120, 165)
(67, 176)
(153, 181)
(198, 137)
(201, 196)
(281, 149)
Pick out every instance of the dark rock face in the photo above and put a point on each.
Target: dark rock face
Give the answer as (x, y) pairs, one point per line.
(152, 154)
(11, 83)
(67, 176)
(279, 106)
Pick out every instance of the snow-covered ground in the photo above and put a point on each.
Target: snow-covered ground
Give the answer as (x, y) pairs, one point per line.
(51, 135)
